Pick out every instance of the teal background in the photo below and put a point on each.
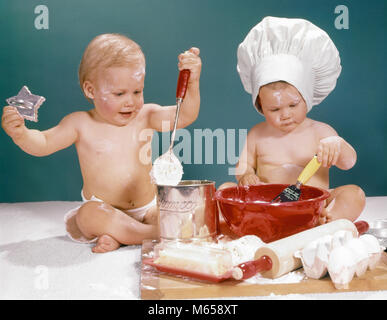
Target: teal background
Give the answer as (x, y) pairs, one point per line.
(47, 62)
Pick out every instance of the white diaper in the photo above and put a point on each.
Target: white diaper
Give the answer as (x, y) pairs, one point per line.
(75, 234)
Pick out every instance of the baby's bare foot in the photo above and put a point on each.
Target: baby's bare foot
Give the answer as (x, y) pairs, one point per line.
(105, 243)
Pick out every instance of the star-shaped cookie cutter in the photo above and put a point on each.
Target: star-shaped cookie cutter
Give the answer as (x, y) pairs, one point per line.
(26, 103)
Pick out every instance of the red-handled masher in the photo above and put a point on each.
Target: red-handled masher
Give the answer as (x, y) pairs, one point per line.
(167, 168)
(274, 259)
(181, 89)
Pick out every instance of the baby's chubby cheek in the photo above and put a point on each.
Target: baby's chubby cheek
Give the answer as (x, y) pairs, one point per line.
(103, 94)
(104, 103)
(275, 121)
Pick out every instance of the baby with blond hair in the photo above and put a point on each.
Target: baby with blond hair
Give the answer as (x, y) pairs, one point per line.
(119, 198)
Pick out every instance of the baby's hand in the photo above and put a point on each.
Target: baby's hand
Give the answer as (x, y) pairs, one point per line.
(190, 60)
(249, 179)
(328, 151)
(12, 122)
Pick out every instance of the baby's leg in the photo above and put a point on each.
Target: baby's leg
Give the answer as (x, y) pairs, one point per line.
(112, 226)
(152, 216)
(344, 202)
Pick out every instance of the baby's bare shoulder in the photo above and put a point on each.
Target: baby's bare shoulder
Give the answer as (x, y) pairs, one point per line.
(258, 128)
(76, 119)
(77, 115)
(149, 107)
(259, 131)
(322, 129)
(255, 134)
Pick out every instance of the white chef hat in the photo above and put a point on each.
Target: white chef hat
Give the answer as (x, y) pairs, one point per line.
(291, 50)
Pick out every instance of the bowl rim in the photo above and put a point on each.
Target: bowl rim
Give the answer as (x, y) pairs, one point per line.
(189, 183)
(324, 196)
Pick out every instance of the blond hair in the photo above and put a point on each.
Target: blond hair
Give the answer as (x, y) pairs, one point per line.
(108, 50)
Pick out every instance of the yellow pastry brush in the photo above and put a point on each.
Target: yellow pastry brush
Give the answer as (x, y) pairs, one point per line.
(293, 192)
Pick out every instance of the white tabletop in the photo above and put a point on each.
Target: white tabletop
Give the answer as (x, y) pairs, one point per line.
(38, 260)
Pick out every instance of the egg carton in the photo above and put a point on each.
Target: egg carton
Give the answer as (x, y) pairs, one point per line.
(341, 255)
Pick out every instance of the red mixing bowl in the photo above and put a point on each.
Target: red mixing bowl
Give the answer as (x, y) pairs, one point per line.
(248, 210)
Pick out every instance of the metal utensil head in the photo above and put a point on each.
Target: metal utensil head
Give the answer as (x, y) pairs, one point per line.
(167, 169)
(291, 193)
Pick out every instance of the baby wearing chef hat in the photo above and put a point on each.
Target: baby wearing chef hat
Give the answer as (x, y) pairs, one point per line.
(288, 66)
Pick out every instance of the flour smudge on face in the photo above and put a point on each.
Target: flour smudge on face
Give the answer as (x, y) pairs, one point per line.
(287, 96)
(139, 73)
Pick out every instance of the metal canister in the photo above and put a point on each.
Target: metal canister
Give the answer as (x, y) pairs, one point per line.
(378, 228)
(188, 210)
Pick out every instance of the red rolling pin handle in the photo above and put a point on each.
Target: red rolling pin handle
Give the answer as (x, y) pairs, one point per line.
(182, 84)
(251, 268)
(362, 226)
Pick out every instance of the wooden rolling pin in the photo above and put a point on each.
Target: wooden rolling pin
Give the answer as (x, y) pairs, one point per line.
(277, 258)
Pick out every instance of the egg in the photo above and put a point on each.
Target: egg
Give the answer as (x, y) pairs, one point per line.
(374, 250)
(341, 266)
(341, 237)
(314, 257)
(360, 252)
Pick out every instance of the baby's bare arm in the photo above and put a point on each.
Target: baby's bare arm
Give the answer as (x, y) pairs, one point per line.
(247, 165)
(190, 106)
(42, 143)
(333, 150)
